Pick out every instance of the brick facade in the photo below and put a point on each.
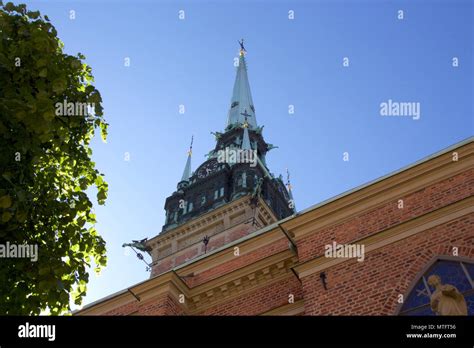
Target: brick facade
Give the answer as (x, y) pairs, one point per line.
(371, 287)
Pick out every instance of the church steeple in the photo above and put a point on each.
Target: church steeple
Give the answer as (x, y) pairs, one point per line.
(241, 104)
(235, 168)
(187, 167)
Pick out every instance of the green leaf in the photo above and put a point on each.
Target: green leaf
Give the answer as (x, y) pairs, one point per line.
(103, 133)
(44, 270)
(41, 62)
(33, 14)
(5, 201)
(59, 86)
(101, 196)
(21, 216)
(6, 216)
(8, 177)
(9, 6)
(99, 180)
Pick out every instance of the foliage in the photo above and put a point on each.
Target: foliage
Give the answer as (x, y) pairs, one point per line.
(45, 167)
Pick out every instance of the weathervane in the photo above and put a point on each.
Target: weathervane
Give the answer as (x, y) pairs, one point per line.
(242, 48)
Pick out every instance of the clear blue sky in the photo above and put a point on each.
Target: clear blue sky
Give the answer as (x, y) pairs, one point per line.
(297, 62)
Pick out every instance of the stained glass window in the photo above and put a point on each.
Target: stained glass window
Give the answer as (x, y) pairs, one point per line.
(457, 273)
(470, 269)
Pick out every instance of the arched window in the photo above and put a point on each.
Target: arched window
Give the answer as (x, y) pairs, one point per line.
(459, 273)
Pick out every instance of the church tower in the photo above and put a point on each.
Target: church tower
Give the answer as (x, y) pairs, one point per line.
(230, 195)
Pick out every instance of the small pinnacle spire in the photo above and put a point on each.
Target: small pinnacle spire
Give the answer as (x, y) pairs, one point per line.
(288, 184)
(187, 168)
(246, 138)
(190, 152)
(290, 193)
(245, 124)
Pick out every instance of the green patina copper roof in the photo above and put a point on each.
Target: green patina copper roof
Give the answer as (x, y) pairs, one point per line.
(241, 104)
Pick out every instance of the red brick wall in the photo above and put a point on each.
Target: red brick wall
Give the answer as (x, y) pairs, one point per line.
(238, 262)
(162, 266)
(239, 232)
(164, 305)
(214, 243)
(196, 250)
(187, 255)
(372, 287)
(421, 202)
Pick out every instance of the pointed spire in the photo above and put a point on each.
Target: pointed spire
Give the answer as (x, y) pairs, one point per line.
(241, 104)
(290, 193)
(246, 139)
(187, 168)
